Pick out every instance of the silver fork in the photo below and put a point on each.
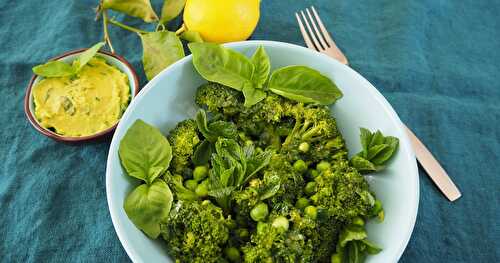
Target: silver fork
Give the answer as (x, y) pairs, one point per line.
(321, 41)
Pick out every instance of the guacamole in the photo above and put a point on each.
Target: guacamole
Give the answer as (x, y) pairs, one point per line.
(84, 104)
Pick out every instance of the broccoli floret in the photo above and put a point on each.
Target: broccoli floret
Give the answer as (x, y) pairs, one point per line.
(183, 139)
(291, 183)
(272, 244)
(219, 98)
(314, 136)
(196, 232)
(343, 192)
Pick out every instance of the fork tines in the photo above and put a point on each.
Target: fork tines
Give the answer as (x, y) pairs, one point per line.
(314, 39)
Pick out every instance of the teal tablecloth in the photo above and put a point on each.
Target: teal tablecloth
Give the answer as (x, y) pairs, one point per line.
(436, 61)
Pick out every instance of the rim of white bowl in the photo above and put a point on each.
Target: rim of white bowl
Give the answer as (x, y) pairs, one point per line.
(251, 43)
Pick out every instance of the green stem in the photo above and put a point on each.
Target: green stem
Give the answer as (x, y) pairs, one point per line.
(129, 28)
(107, 39)
(181, 29)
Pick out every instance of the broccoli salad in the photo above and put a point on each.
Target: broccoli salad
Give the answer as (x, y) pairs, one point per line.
(260, 174)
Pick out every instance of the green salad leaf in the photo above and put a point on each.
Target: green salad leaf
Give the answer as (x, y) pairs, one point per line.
(171, 9)
(304, 84)
(59, 68)
(144, 152)
(377, 149)
(54, 69)
(222, 65)
(262, 65)
(160, 49)
(148, 206)
(136, 8)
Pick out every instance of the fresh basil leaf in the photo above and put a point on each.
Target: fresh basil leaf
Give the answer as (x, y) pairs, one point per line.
(350, 233)
(370, 247)
(262, 65)
(377, 138)
(160, 50)
(191, 36)
(86, 56)
(148, 206)
(252, 95)
(362, 165)
(54, 69)
(222, 65)
(354, 254)
(136, 8)
(385, 155)
(304, 84)
(144, 152)
(365, 136)
(202, 153)
(373, 151)
(171, 9)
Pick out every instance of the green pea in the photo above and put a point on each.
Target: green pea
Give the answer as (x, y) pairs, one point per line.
(205, 202)
(336, 258)
(261, 227)
(300, 166)
(358, 221)
(311, 211)
(200, 172)
(304, 147)
(310, 188)
(302, 203)
(313, 173)
(281, 223)
(201, 190)
(259, 212)
(323, 165)
(243, 233)
(178, 178)
(191, 184)
(231, 224)
(233, 254)
(314, 198)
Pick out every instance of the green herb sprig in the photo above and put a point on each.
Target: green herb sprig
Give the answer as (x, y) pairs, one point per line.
(377, 150)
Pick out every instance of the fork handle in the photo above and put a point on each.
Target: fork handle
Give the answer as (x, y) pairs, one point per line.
(433, 168)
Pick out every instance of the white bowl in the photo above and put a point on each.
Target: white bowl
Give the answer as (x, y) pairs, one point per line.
(169, 98)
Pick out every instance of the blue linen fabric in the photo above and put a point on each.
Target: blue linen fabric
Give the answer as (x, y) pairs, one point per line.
(436, 61)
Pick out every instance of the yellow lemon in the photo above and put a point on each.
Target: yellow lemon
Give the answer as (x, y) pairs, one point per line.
(222, 21)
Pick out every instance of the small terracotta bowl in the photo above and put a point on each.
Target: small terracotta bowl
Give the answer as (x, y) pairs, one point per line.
(112, 59)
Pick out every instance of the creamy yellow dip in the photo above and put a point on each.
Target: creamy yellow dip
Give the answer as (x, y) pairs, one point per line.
(85, 104)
